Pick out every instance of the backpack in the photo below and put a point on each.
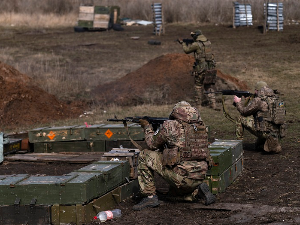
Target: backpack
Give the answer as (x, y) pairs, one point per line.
(277, 112)
(205, 46)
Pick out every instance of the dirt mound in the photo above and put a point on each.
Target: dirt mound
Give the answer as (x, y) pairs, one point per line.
(23, 104)
(163, 80)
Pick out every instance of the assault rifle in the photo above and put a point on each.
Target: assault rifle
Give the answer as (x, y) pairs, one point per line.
(154, 121)
(232, 92)
(187, 41)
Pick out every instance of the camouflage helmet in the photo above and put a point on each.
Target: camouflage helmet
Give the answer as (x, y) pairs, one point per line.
(183, 111)
(197, 33)
(260, 84)
(181, 104)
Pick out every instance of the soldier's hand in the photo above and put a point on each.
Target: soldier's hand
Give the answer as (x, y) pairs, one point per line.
(179, 41)
(143, 123)
(236, 99)
(210, 162)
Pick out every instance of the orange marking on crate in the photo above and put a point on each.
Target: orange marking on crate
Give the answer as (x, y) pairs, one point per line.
(108, 133)
(51, 135)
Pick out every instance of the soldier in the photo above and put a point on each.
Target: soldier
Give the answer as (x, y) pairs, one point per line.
(179, 153)
(203, 69)
(267, 123)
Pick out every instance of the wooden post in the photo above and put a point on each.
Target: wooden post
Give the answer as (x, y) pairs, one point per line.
(233, 20)
(115, 15)
(266, 17)
(163, 20)
(246, 13)
(277, 14)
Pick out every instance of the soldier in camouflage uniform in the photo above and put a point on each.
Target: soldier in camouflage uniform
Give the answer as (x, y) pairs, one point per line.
(255, 118)
(179, 153)
(203, 69)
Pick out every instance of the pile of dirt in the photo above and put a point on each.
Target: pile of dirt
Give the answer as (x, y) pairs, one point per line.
(23, 104)
(163, 80)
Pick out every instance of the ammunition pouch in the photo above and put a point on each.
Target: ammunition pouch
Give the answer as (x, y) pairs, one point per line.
(171, 156)
(261, 120)
(187, 154)
(279, 113)
(283, 130)
(192, 169)
(210, 77)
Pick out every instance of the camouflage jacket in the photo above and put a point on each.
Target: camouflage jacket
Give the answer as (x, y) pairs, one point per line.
(259, 109)
(201, 49)
(174, 138)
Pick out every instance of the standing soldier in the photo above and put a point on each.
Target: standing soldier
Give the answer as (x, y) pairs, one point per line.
(179, 153)
(268, 121)
(204, 67)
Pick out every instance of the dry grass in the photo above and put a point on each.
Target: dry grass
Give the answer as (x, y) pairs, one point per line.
(50, 13)
(70, 78)
(38, 20)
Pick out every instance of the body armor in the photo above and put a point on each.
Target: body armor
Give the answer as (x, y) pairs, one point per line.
(195, 147)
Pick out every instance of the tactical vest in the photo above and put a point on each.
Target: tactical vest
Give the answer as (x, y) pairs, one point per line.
(195, 147)
(206, 51)
(274, 118)
(196, 142)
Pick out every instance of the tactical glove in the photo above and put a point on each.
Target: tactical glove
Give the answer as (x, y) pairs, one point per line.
(180, 41)
(143, 123)
(210, 161)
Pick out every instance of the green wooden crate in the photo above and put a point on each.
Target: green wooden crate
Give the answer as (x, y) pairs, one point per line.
(11, 145)
(69, 146)
(236, 147)
(66, 214)
(219, 183)
(17, 214)
(85, 23)
(112, 132)
(225, 153)
(52, 134)
(102, 10)
(75, 188)
(222, 159)
(83, 214)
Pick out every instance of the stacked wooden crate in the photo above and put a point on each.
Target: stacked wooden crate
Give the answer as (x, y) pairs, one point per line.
(98, 17)
(93, 138)
(228, 164)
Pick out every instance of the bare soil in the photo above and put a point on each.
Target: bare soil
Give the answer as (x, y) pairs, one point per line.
(25, 104)
(134, 72)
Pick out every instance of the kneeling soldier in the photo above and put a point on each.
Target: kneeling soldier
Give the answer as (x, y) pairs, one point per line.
(179, 153)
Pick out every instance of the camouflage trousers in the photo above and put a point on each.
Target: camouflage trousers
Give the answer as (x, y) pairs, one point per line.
(200, 88)
(270, 142)
(181, 186)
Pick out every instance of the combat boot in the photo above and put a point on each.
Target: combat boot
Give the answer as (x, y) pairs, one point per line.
(204, 193)
(147, 203)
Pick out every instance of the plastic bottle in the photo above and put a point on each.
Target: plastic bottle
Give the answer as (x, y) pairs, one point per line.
(108, 215)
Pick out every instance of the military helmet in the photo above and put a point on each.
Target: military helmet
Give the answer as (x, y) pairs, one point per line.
(196, 33)
(178, 105)
(260, 84)
(181, 104)
(183, 111)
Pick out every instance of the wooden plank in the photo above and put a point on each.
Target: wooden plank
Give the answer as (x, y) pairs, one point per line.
(86, 16)
(86, 9)
(101, 17)
(55, 157)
